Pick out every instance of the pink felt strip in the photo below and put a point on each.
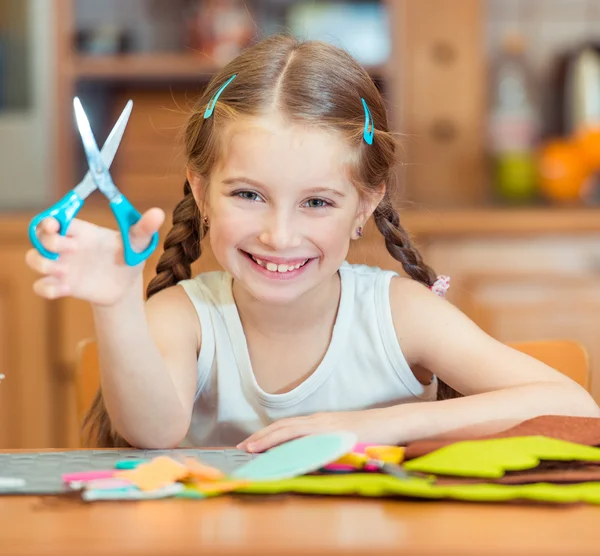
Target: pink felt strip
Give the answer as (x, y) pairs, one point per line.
(88, 475)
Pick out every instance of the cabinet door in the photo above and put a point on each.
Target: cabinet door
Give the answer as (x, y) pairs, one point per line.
(27, 392)
(438, 95)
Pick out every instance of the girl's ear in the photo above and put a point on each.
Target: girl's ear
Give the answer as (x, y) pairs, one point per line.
(198, 185)
(369, 202)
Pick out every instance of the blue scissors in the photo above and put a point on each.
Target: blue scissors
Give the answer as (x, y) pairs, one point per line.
(98, 177)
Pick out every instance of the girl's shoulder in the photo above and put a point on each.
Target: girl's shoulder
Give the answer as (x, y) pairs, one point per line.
(364, 270)
(172, 319)
(207, 287)
(366, 275)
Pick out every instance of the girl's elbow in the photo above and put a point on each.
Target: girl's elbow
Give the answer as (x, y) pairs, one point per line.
(591, 408)
(582, 404)
(166, 439)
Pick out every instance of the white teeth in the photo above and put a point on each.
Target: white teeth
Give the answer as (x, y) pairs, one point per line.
(277, 267)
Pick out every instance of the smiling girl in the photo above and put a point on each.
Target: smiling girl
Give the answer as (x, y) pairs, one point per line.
(289, 155)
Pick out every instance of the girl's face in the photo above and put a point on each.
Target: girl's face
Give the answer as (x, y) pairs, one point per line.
(282, 210)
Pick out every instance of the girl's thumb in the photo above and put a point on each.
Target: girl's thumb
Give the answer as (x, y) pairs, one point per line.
(141, 233)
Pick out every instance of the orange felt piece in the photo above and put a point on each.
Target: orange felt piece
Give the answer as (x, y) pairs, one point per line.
(199, 471)
(158, 473)
(214, 487)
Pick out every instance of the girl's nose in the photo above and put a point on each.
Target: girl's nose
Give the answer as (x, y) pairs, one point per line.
(280, 232)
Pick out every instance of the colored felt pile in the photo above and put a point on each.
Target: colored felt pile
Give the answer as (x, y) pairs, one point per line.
(548, 459)
(160, 477)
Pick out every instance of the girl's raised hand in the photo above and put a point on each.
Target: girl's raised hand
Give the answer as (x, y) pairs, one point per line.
(90, 265)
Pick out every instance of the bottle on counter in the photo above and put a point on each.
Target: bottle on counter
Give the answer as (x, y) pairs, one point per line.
(513, 124)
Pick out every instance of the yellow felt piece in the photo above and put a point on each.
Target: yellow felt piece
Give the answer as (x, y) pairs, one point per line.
(158, 473)
(387, 454)
(201, 472)
(380, 485)
(492, 458)
(354, 459)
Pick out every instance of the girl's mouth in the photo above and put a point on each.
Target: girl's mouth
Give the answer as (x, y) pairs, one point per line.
(278, 271)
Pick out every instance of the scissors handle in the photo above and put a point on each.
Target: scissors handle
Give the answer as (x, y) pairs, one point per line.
(63, 211)
(126, 216)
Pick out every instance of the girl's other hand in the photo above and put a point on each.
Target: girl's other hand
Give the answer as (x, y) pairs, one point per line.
(371, 425)
(91, 264)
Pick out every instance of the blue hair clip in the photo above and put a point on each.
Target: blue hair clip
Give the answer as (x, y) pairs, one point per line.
(213, 101)
(369, 130)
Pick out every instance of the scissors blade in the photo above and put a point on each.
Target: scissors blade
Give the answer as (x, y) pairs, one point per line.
(111, 145)
(98, 174)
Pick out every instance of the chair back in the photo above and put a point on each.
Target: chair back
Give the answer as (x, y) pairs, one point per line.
(567, 356)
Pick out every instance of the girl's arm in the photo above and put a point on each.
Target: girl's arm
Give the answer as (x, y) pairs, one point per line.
(147, 352)
(502, 386)
(148, 365)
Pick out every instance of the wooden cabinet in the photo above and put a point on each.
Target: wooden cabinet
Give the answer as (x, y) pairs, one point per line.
(521, 275)
(27, 408)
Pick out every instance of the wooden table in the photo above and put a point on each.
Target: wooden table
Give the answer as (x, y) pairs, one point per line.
(288, 525)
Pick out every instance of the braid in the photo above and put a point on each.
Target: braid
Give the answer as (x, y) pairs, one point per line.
(400, 247)
(182, 244)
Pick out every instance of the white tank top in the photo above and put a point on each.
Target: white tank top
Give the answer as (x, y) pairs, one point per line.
(363, 367)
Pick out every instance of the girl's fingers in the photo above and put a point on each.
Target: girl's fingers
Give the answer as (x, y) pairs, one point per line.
(49, 226)
(57, 243)
(43, 265)
(257, 436)
(48, 232)
(274, 438)
(50, 287)
(275, 434)
(150, 222)
(79, 227)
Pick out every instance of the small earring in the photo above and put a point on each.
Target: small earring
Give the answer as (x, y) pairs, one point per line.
(205, 221)
(359, 232)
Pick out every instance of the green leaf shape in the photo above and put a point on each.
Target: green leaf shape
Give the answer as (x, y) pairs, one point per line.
(491, 459)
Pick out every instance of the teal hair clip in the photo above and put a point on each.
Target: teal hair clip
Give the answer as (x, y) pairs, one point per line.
(213, 101)
(369, 130)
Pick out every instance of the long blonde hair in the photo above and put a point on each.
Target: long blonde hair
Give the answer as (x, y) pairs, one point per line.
(308, 82)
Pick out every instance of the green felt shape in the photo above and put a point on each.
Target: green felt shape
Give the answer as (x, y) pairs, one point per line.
(297, 457)
(380, 485)
(492, 458)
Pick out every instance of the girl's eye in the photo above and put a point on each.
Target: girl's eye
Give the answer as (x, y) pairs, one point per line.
(248, 195)
(317, 203)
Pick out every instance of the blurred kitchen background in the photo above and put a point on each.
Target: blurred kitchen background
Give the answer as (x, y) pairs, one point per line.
(498, 102)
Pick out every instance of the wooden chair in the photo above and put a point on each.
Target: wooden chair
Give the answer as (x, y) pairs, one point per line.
(567, 356)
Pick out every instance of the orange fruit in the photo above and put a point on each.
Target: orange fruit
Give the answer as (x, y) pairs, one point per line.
(562, 169)
(588, 141)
